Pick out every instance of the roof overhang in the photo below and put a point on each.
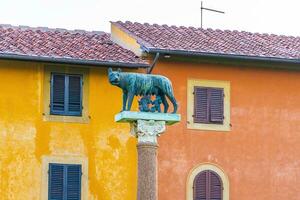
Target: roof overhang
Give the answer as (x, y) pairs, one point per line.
(72, 61)
(221, 56)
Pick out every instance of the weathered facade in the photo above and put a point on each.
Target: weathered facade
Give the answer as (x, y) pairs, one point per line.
(256, 155)
(31, 138)
(252, 151)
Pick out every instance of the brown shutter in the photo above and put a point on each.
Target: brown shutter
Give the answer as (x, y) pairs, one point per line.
(207, 186)
(216, 186)
(200, 186)
(201, 105)
(216, 101)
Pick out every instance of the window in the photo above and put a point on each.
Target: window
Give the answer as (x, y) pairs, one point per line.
(64, 182)
(64, 175)
(207, 185)
(207, 182)
(208, 105)
(66, 94)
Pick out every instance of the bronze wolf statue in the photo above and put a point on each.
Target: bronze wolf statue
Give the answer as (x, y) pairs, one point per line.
(135, 84)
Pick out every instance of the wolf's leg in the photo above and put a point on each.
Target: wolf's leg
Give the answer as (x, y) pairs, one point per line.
(173, 100)
(165, 102)
(130, 99)
(124, 100)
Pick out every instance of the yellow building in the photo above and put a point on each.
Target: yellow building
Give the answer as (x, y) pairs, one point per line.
(57, 116)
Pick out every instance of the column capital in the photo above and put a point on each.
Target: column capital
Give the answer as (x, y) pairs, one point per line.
(147, 131)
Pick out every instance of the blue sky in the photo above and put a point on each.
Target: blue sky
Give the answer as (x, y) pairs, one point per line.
(269, 16)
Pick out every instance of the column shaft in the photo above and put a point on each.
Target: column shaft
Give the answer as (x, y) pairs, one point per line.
(147, 171)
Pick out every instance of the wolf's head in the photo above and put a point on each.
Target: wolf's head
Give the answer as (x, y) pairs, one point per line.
(114, 76)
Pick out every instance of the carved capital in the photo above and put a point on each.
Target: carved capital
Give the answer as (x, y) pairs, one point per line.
(147, 131)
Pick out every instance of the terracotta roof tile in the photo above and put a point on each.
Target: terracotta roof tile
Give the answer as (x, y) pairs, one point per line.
(66, 44)
(200, 40)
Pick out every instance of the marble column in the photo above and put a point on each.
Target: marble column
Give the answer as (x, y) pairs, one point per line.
(147, 132)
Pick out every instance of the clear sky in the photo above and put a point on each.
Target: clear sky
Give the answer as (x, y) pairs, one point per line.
(265, 16)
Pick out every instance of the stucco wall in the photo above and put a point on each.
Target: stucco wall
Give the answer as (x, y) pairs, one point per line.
(25, 138)
(260, 155)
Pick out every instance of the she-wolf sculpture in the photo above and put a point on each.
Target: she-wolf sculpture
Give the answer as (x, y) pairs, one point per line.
(135, 84)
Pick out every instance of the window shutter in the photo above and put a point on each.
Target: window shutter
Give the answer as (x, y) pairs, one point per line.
(56, 182)
(74, 101)
(200, 187)
(64, 182)
(201, 105)
(216, 186)
(73, 182)
(58, 93)
(208, 186)
(216, 105)
(66, 94)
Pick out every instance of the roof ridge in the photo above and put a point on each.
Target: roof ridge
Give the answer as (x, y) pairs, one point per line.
(208, 29)
(47, 29)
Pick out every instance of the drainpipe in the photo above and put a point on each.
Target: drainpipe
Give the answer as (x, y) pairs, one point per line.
(153, 63)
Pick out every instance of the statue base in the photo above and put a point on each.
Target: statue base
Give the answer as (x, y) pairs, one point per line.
(147, 126)
(129, 116)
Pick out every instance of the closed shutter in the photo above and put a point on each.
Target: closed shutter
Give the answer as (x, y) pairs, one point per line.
(216, 186)
(200, 187)
(208, 105)
(74, 101)
(73, 182)
(66, 94)
(64, 182)
(216, 105)
(58, 94)
(56, 182)
(201, 105)
(208, 186)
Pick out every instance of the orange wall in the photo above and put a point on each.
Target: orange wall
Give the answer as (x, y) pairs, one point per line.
(260, 154)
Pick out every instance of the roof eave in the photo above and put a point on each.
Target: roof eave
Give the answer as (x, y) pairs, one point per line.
(9, 56)
(220, 55)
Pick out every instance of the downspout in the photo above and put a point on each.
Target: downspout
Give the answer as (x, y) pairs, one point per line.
(153, 63)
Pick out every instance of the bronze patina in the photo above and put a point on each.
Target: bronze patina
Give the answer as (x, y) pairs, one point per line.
(144, 85)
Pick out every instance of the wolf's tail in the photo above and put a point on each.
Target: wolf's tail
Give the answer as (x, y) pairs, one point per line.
(168, 90)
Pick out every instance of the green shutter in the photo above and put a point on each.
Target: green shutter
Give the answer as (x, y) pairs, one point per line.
(73, 182)
(56, 182)
(57, 94)
(75, 91)
(66, 94)
(64, 182)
